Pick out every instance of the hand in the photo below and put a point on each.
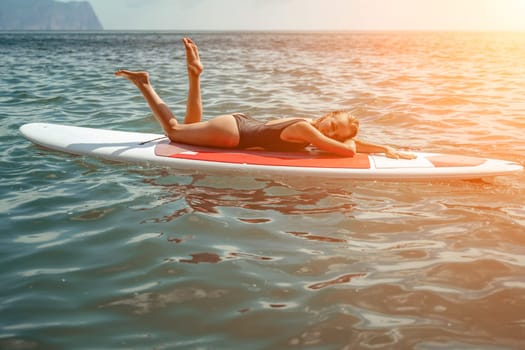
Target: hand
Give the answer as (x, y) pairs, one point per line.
(393, 153)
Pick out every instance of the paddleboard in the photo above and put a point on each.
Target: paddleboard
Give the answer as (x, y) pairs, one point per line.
(124, 146)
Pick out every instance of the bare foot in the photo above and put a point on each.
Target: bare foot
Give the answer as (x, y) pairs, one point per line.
(134, 77)
(192, 57)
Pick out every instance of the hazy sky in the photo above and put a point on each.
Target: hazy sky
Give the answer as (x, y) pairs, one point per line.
(191, 15)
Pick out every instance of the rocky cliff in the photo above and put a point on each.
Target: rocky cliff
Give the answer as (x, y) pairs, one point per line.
(47, 15)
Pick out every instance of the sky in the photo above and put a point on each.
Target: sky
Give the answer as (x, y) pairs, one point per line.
(196, 15)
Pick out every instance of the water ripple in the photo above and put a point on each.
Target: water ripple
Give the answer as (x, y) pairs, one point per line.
(96, 254)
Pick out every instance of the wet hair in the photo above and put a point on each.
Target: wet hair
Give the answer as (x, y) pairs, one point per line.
(353, 122)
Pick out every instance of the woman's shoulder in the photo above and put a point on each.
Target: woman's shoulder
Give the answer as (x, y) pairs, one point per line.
(302, 131)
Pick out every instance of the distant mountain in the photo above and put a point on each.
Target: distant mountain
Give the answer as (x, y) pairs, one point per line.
(47, 15)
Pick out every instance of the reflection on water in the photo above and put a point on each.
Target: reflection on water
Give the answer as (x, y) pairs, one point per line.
(202, 196)
(339, 280)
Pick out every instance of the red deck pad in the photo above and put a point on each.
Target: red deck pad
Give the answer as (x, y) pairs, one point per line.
(293, 159)
(443, 161)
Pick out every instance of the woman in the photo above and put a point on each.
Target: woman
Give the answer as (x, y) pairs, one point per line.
(333, 132)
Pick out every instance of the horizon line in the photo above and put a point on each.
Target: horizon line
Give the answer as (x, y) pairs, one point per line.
(268, 30)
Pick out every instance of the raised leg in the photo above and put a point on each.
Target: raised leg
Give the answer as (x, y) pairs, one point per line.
(194, 102)
(159, 108)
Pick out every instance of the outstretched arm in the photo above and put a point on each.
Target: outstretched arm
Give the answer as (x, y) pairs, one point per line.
(305, 132)
(390, 152)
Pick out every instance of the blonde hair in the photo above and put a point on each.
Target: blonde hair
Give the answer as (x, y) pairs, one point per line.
(353, 122)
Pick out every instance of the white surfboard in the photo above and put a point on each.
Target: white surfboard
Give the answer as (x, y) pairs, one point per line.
(123, 146)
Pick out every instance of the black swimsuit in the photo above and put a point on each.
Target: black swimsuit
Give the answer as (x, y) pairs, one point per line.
(253, 133)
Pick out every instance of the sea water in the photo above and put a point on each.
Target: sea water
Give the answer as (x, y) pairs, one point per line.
(102, 255)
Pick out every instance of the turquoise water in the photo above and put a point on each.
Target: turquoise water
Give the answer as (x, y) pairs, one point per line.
(101, 255)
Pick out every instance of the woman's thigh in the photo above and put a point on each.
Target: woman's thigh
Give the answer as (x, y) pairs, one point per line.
(220, 131)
